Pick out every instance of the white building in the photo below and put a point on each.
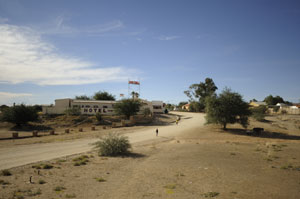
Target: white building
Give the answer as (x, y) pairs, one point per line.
(91, 107)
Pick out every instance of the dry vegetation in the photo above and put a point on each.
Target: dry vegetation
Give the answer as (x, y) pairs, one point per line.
(205, 162)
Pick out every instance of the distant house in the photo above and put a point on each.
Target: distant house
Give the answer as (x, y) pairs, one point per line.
(256, 104)
(186, 107)
(281, 105)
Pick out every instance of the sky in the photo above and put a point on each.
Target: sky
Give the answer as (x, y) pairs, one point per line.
(64, 48)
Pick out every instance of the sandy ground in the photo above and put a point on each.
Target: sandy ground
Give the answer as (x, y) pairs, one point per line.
(23, 154)
(199, 162)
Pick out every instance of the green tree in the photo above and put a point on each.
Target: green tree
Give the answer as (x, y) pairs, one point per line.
(103, 95)
(227, 108)
(19, 114)
(135, 95)
(3, 107)
(270, 100)
(127, 107)
(82, 97)
(201, 91)
(195, 107)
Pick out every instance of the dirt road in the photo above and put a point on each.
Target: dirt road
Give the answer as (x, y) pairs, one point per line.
(25, 154)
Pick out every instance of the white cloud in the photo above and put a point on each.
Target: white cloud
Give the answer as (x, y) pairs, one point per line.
(25, 57)
(13, 95)
(168, 38)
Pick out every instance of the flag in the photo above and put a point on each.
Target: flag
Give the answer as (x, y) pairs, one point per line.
(134, 82)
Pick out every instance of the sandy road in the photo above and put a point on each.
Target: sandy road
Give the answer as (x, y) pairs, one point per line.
(25, 154)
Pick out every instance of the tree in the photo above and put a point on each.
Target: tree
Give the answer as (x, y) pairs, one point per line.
(227, 108)
(201, 91)
(135, 95)
(127, 107)
(3, 107)
(19, 114)
(195, 107)
(82, 97)
(270, 100)
(103, 95)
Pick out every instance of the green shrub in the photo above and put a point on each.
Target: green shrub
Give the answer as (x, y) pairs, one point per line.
(113, 145)
(59, 188)
(259, 112)
(81, 160)
(276, 109)
(19, 114)
(73, 111)
(100, 179)
(47, 166)
(146, 111)
(99, 117)
(71, 195)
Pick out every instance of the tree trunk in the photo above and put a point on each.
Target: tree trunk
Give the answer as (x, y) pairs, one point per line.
(224, 126)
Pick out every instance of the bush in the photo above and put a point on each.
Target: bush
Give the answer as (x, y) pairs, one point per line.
(99, 117)
(73, 111)
(146, 111)
(276, 109)
(113, 145)
(19, 114)
(258, 113)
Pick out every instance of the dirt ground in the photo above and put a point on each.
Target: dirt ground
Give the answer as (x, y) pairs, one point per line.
(204, 162)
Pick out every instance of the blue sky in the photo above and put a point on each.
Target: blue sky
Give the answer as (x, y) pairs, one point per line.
(59, 49)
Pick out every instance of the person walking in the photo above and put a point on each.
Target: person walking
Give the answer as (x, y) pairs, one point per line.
(156, 132)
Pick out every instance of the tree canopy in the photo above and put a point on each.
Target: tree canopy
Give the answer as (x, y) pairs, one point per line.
(201, 91)
(103, 95)
(270, 100)
(227, 108)
(19, 114)
(82, 97)
(127, 107)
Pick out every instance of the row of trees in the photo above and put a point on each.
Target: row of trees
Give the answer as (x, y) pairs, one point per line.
(100, 95)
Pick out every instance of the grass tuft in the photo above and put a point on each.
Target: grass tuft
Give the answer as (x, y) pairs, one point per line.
(100, 179)
(71, 195)
(210, 194)
(59, 188)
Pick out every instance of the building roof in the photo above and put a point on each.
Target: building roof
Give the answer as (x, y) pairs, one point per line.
(259, 103)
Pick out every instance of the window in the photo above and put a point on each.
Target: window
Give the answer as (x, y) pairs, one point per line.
(156, 107)
(105, 107)
(75, 106)
(95, 106)
(87, 106)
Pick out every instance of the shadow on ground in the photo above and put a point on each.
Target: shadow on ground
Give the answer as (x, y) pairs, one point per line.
(133, 155)
(264, 134)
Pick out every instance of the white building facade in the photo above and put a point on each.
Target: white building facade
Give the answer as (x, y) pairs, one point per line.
(92, 107)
